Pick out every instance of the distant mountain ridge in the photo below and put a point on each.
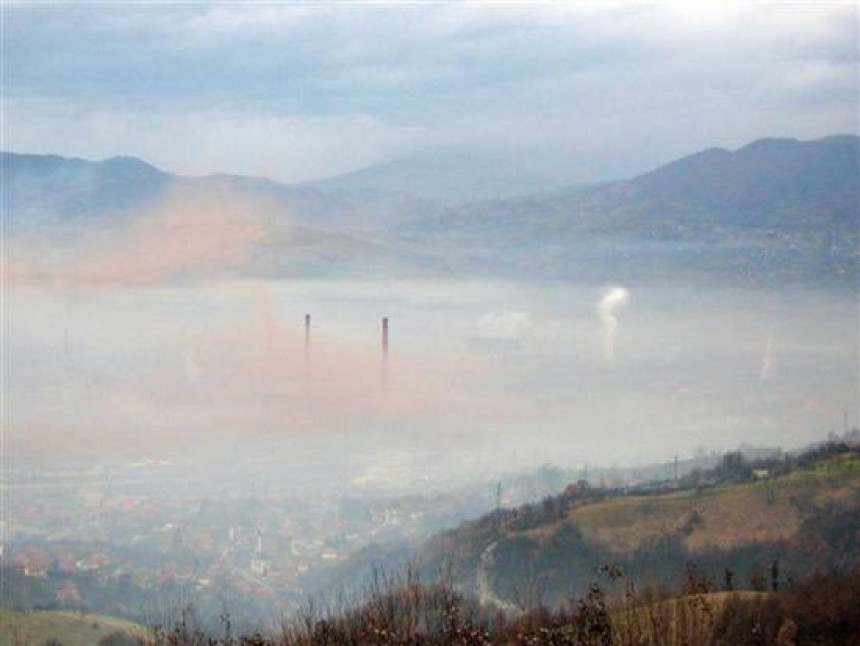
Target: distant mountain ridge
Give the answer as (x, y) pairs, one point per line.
(773, 211)
(43, 188)
(455, 177)
(768, 175)
(764, 172)
(308, 232)
(49, 188)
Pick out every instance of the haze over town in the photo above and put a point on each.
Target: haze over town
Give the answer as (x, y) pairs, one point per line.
(608, 245)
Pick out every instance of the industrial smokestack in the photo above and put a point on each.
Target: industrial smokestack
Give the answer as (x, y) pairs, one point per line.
(385, 336)
(384, 350)
(307, 349)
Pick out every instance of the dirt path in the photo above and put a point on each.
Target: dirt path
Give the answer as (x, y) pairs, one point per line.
(484, 585)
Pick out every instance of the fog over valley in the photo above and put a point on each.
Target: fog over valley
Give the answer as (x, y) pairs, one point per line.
(164, 370)
(429, 324)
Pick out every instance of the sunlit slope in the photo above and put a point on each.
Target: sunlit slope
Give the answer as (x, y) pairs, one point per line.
(806, 520)
(767, 510)
(70, 629)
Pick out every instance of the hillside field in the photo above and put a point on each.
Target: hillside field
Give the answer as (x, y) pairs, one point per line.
(70, 629)
(766, 510)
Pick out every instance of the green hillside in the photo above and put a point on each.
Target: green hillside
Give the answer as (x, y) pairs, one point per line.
(803, 517)
(70, 629)
(762, 511)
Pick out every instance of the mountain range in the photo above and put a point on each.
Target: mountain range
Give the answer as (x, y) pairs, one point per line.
(458, 176)
(773, 211)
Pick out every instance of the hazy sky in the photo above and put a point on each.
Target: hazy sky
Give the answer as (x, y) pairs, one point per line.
(304, 91)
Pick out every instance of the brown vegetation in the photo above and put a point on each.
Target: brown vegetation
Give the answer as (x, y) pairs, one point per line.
(824, 610)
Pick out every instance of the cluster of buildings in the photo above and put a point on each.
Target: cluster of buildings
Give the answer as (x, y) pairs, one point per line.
(81, 540)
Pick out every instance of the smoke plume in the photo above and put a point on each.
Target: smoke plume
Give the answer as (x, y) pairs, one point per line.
(187, 234)
(612, 299)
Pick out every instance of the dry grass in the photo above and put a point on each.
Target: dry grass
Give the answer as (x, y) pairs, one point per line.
(71, 629)
(755, 512)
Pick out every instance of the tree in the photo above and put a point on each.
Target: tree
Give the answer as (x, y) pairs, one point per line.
(729, 579)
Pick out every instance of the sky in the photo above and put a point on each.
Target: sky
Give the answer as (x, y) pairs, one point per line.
(307, 91)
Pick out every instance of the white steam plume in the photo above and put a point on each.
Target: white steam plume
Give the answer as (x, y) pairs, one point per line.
(613, 298)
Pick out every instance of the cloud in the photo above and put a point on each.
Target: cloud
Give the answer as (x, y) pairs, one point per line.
(308, 91)
(207, 140)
